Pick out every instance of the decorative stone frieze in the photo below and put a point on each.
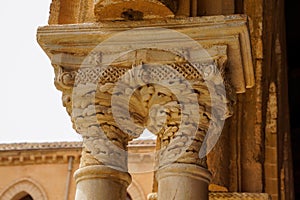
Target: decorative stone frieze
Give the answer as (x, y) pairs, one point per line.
(239, 196)
(40, 153)
(227, 195)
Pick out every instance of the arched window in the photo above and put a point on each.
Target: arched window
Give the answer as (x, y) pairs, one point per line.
(27, 197)
(22, 196)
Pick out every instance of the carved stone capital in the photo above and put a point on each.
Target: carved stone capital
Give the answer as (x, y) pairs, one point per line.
(176, 77)
(62, 43)
(92, 80)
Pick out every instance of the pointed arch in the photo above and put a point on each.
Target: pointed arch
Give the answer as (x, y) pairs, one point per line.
(24, 186)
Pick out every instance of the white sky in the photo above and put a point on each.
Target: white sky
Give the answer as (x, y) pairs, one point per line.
(31, 107)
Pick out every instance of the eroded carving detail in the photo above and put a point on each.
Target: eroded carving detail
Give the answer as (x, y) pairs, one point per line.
(91, 112)
(159, 97)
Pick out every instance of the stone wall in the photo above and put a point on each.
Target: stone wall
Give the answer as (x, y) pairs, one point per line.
(270, 150)
(41, 170)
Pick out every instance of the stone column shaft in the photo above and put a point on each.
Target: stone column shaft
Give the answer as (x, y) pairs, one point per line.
(183, 182)
(99, 182)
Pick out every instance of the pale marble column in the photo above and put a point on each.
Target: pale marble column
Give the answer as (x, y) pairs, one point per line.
(99, 182)
(183, 182)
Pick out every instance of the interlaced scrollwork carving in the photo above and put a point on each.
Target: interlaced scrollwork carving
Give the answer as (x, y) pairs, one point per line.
(158, 97)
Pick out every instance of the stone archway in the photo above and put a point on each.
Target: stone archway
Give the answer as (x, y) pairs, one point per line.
(135, 191)
(24, 185)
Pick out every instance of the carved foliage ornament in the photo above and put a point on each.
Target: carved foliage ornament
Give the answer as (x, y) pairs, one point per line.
(152, 78)
(177, 100)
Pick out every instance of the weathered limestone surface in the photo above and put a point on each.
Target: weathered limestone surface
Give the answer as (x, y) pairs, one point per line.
(88, 90)
(134, 9)
(101, 181)
(267, 31)
(180, 182)
(77, 11)
(226, 196)
(23, 165)
(114, 92)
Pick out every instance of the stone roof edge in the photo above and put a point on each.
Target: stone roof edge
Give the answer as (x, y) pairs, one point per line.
(62, 145)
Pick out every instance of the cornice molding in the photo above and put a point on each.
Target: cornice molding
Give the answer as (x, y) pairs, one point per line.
(57, 152)
(63, 145)
(39, 146)
(33, 157)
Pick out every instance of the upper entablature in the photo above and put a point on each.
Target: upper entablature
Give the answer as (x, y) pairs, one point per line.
(89, 11)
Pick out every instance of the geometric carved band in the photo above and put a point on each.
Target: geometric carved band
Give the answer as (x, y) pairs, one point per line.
(228, 196)
(239, 196)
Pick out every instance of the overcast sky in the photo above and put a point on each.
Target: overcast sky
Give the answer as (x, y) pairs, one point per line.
(31, 107)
